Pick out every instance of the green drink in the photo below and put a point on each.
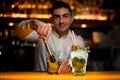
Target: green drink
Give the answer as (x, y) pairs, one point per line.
(79, 62)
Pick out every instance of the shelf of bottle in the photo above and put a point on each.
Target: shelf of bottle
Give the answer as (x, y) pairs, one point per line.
(47, 16)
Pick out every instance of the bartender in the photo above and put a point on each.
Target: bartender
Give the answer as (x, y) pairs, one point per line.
(57, 36)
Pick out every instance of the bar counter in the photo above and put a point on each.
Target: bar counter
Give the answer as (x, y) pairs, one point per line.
(90, 75)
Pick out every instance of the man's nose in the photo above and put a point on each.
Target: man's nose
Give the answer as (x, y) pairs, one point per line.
(61, 20)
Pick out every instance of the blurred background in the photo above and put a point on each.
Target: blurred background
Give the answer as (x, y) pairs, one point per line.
(97, 21)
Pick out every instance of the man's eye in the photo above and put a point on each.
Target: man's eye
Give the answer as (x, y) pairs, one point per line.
(55, 17)
(66, 15)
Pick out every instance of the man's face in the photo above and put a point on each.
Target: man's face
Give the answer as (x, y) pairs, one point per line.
(62, 19)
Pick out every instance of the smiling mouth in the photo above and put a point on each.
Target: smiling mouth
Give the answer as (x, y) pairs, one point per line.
(61, 25)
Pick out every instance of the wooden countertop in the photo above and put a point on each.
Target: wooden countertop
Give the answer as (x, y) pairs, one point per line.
(90, 75)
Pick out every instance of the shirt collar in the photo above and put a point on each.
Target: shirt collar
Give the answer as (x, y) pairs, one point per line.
(56, 34)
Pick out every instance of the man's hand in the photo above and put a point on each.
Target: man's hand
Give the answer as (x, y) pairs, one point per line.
(64, 67)
(42, 28)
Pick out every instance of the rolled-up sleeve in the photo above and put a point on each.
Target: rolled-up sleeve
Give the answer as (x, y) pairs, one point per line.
(24, 32)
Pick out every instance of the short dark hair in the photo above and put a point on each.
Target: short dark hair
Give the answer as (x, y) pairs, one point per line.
(60, 4)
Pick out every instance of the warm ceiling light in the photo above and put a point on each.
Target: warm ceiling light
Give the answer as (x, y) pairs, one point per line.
(83, 25)
(12, 5)
(11, 24)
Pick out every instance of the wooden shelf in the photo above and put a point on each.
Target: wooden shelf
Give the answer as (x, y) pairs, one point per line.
(76, 23)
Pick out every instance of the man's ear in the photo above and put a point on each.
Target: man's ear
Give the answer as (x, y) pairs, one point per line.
(51, 21)
(72, 18)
